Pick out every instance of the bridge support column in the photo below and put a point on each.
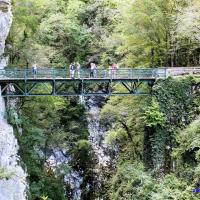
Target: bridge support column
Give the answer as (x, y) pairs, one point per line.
(53, 88)
(82, 87)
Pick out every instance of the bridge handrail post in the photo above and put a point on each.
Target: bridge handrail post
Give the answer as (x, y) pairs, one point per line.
(53, 72)
(165, 72)
(168, 72)
(132, 73)
(110, 73)
(25, 74)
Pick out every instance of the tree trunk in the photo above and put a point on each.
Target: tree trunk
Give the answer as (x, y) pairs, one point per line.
(127, 130)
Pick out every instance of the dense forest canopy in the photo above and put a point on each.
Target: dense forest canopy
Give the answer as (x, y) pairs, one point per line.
(136, 33)
(152, 141)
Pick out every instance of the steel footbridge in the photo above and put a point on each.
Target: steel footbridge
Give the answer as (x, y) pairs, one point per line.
(59, 82)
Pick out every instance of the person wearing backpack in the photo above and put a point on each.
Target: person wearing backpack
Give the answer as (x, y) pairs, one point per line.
(72, 70)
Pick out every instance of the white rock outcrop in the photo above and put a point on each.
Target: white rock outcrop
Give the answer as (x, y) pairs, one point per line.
(14, 186)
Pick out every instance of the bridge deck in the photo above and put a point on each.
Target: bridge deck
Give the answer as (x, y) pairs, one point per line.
(59, 82)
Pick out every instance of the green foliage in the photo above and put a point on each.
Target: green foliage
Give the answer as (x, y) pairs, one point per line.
(23, 47)
(186, 34)
(59, 31)
(46, 185)
(55, 123)
(5, 174)
(82, 153)
(172, 188)
(131, 182)
(65, 35)
(158, 145)
(143, 32)
(84, 162)
(11, 116)
(113, 136)
(155, 121)
(134, 33)
(44, 198)
(176, 106)
(189, 138)
(187, 153)
(153, 116)
(124, 124)
(177, 101)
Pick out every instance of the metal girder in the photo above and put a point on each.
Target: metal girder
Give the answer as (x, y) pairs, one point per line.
(30, 89)
(96, 87)
(66, 88)
(132, 87)
(75, 87)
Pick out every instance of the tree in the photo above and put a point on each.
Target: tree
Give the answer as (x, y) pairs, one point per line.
(144, 32)
(124, 125)
(63, 32)
(21, 42)
(185, 34)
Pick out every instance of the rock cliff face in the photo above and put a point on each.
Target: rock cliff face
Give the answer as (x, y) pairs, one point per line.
(5, 22)
(13, 187)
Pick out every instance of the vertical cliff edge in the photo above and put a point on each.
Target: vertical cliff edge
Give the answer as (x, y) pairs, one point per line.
(12, 176)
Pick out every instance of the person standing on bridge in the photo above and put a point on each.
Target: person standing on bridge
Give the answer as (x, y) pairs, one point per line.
(95, 70)
(72, 70)
(34, 69)
(114, 68)
(92, 69)
(78, 68)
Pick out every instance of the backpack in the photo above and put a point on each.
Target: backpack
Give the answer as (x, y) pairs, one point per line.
(71, 67)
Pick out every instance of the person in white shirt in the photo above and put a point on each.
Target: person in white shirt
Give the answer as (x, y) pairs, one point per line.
(93, 70)
(78, 68)
(34, 68)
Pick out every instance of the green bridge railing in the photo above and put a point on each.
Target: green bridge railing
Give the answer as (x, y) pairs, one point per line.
(123, 73)
(56, 73)
(59, 81)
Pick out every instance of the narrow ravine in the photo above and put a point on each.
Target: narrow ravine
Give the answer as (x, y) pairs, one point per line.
(97, 131)
(73, 178)
(13, 178)
(97, 134)
(96, 138)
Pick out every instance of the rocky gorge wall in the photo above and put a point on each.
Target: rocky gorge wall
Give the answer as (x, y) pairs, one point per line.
(12, 177)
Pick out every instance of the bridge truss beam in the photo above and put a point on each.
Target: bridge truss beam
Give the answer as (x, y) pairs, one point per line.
(75, 87)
